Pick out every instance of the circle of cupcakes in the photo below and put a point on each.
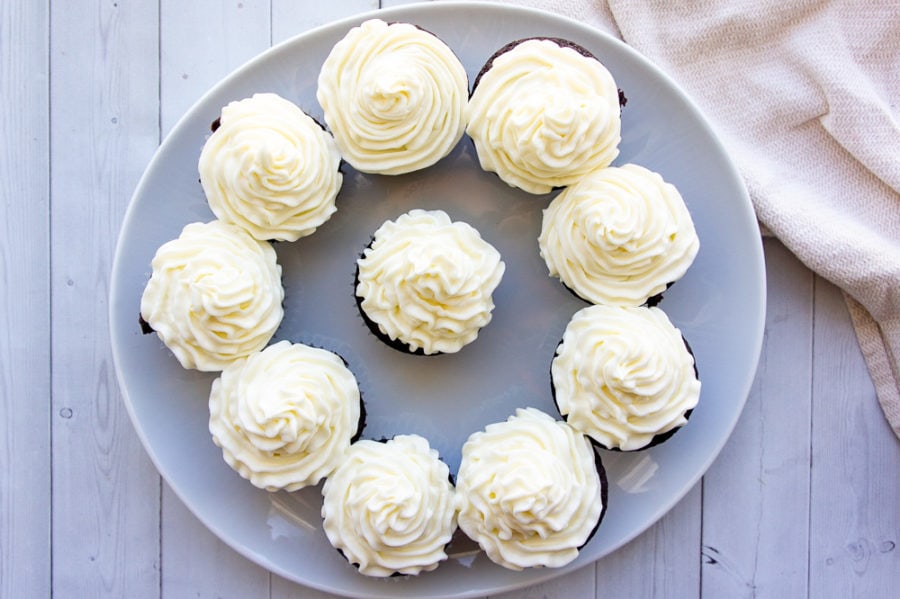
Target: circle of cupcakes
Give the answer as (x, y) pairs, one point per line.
(285, 416)
(389, 507)
(543, 113)
(270, 168)
(395, 97)
(624, 376)
(530, 491)
(214, 295)
(425, 283)
(619, 236)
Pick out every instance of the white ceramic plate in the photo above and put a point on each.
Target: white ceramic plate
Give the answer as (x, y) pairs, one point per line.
(719, 307)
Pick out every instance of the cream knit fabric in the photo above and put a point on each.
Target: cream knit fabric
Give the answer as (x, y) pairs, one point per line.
(804, 94)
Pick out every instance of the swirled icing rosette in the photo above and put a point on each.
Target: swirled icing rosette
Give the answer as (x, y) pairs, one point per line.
(543, 114)
(395, 97)
(619, 236)
(428, 282)
(529, 491)
(284, 417)
(214, 295)
(389, 507)
(270, 169)
(624, 376)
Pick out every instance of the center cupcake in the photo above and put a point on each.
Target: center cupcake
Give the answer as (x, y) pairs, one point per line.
(425, 283)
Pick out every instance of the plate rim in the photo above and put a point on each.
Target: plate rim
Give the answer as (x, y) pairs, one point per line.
(409, 12)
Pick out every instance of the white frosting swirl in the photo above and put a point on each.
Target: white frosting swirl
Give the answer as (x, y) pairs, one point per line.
(623, 375)
(395, 96)
(389, 506)
(619, 236)
(270, 168)
(428, 282)
(528, 491)
(284, 416)
(214, 296)
(543, 116)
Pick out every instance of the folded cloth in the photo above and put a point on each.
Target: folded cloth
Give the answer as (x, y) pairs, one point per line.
(804, 96)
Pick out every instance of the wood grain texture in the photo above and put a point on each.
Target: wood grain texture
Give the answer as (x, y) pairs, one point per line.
(390, 3)
(104, 128)
(855, 496)
(580, 583)
(756, 494)
(24, 300)
(290, 18)
(200, 43)
(803, 501)
(663, 561)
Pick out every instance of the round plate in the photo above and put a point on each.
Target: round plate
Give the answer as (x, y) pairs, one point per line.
(719, 306)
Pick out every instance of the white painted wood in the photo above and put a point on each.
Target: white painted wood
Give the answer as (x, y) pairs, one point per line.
(24, 301)
(756, 494)
(104, 128)
(390, 3)
(285, 589)
(802, 502)
(855, 495)
(580, 583)
(290, 18)
(661, 562)
(200, 43)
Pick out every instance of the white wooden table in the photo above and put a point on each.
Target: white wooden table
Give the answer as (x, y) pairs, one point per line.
(803, 501)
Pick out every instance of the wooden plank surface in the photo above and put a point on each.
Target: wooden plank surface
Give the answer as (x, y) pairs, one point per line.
(104, 119)
(802, 501)
(663, 561)
(24, 301)
(855, 495)
(756, 494)
(200, 43)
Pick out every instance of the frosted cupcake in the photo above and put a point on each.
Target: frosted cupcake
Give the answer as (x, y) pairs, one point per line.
(395, 97)
(619, 236)
(270, 168)
(624, 376)
(544, 113)
(284, 417)
(425, 284)
(388, 508)
(214, 295)
(530, 491)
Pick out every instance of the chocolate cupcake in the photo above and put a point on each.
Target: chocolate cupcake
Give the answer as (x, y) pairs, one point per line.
(620, 236)
(425, 283)
(215, 295)
(389, 507)
(395, 96)
(624, 376)
(531, 491)
(543, 113)
(285, 417)
(271, 169)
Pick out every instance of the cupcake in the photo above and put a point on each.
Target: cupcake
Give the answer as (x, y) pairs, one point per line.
(425, 284)
(543, 114)
(270, 168)
(285, 417)
(624, 376)
(620, 236)
(395, 97)
(388, 508)
(214, 295)
(530, 491)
